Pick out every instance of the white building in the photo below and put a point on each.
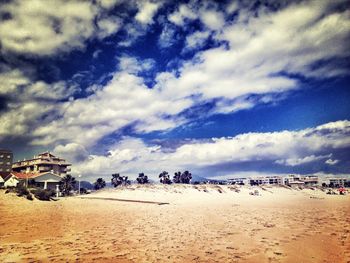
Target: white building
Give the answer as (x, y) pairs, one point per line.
(47, 180)
(241, 180)
(44, 162)
(2, 181)
(10, 181)
(334, 181)
(295, 180)
(271, 180)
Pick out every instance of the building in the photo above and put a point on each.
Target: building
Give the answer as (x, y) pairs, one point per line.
(10, 181)
(44, 162)
(2, 181)
(336, 181)
(46, 180)
(6, 158)
(273, 180)
(239, 181)
(310, 180)
(299, 180)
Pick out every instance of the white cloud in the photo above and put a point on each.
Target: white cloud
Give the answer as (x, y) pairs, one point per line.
(133, 66)
(132, 155)
(108, 26)
(212, 19)
(260, 48)
(73, 152)
(146, 12)
(331, 161)
(108, 3)
(196, 40)
(11, 80)
(299, 161)
(20, 117)
(232, 7)
(183, 13)
(123, 101)
(40, 27)
(27, 102)
(168, 37)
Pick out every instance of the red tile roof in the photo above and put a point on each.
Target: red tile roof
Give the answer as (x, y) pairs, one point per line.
(25, 175)
(29, 175)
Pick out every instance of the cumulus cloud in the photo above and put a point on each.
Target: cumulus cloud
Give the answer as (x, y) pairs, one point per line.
(108, 26)
(299, 161)
(301, 35)
(196, 40)
(132, 65)
(146, 12)
(132, 155)
(331, 161)
(27, 102)
(21, 117)
(40, 27)
(10, 81)
(73, 152)
(168, 37)
(256, 56)
(212, 19)
(183, 13)
(125, 100)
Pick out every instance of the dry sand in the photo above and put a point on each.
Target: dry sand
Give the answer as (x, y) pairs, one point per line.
(200, 224)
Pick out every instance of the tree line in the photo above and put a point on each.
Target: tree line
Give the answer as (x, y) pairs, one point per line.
(164, 178)
(68, 183)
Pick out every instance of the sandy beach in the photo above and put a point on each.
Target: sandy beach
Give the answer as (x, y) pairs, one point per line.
(204, 223)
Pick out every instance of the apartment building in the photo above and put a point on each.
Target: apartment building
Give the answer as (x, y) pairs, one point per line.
(44, 162)
(265, 180)
(6, 158)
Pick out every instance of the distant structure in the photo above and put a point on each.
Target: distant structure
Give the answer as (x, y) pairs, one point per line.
(258, 180)
(336, 181)
(6, 158)
(42, 163)
(45, 180)
(290, 180)
(240, 181)
(295, 180)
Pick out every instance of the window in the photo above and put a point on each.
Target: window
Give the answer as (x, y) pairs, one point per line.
(7, 170)
(8, 163)
(8, 156)
(2, 156)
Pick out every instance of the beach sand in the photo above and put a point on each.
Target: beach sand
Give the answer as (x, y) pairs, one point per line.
(199, 224)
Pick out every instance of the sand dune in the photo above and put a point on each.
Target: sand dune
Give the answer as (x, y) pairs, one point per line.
(200, 224)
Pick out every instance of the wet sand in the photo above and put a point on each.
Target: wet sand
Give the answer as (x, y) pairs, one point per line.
(200, 224)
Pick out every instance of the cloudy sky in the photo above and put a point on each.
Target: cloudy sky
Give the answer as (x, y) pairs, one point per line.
(221, 88)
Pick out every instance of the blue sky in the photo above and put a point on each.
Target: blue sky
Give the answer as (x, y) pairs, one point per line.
(221, 88)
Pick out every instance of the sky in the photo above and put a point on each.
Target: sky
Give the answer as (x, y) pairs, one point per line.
(220, 88)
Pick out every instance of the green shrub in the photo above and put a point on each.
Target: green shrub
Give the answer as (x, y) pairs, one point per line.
(43, 194)
(21, 191)
(30, 197)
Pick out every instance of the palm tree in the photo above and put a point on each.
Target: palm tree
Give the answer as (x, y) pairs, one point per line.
(67, 184)
(177, 178)
(164, 178)
(142, 179)
(99, 184)
(119, 180)
(186, 177)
